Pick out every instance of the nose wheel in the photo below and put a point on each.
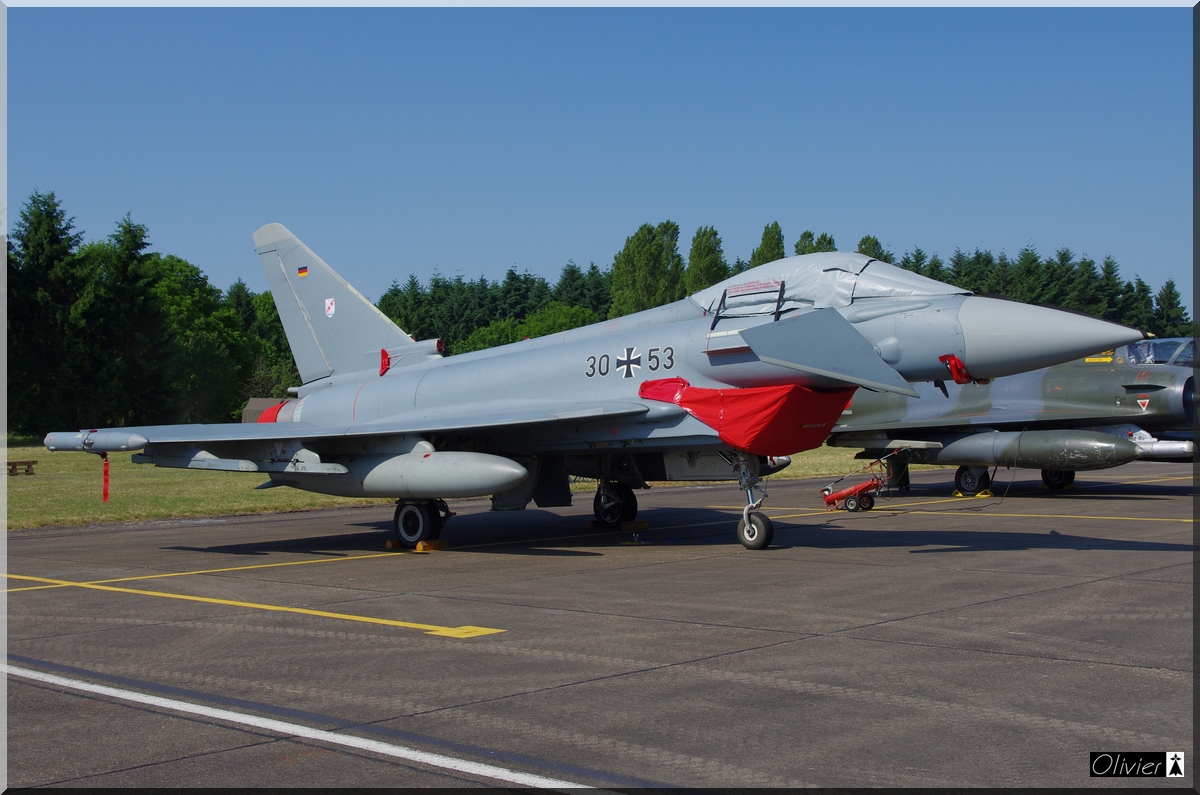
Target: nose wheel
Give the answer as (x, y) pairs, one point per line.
(754, 530)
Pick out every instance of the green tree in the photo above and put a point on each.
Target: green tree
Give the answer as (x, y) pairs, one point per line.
(739, 266)
(1086, 291)
(1137, 305)
(999, 277)
(647, 272)
(706, 261)
(52, 350)
(1170, 318)
(914, 260)
(1059, 271)
(240, 300)
(936, 269)
(405, 306)
(673, 287)
(770, 248)
(1028, 277)
(571, 288)
(1111, 289)
(598, 290)
(807, 244)
(550, 319)
(870, 245)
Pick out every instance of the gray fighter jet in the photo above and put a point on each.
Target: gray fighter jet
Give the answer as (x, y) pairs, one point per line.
(721, 385)
(1135, 402)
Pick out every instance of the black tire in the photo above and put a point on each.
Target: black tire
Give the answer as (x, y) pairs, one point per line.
(852, 503)
(969, 483)
(629, 504)
(614, 504)
(1057, 479)
(415, 522)
(758, 534)
(867, 502)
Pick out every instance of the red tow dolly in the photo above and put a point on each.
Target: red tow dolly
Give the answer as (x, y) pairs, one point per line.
(859, 497)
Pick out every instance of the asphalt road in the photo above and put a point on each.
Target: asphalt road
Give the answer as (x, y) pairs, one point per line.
(933, 641)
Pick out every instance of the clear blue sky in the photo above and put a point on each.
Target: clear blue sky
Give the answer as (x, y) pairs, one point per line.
(397, 141)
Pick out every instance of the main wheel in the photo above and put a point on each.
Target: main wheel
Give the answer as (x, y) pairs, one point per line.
(1058, 478)
(852, 503)
(415, 522)
(758, 534)
(867, 502)
(614, 503)
(970, 480)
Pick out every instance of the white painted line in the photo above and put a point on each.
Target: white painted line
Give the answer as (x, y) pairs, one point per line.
(297, 730)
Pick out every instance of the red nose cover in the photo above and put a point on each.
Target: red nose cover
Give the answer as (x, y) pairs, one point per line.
(765, 420)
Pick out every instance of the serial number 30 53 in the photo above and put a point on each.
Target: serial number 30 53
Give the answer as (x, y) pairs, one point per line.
(627, 364)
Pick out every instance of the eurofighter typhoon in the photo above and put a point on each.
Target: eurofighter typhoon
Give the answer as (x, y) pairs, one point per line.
(724, 384)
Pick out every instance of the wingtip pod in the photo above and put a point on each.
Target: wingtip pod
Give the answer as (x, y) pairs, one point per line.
(105, 441)
(1005, 337)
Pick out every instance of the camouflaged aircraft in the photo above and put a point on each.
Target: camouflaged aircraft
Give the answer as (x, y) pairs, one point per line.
(723, 384)
(1135, 402)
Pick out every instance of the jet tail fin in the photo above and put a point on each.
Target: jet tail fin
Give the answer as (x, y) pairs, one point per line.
(331, 327)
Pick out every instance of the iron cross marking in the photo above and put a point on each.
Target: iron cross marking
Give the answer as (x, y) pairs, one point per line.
(629, 362)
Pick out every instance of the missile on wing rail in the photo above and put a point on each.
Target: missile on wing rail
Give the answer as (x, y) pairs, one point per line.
(112, 440)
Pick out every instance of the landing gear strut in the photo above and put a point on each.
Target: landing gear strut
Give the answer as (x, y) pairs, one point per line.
(615, 503)
(419, 520)
(754, 530)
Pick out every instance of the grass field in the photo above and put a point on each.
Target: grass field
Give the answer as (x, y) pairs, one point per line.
(67, 487)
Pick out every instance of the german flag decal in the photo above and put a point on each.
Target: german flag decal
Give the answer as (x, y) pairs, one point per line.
(302, 270)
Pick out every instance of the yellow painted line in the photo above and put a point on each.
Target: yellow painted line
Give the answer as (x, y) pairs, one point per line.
(429, 629)
(215, 571)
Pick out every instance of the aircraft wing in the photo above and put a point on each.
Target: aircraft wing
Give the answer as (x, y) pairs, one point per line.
(467, 418)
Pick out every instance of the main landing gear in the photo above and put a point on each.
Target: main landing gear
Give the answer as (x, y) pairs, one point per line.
(419, 520)
(615, 503)
(971, 480)
(1057, 479)
(754, 530)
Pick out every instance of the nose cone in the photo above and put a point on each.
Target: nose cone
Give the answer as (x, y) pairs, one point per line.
(1004, 337)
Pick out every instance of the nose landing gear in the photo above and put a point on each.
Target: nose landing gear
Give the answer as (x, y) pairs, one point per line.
(754, 530)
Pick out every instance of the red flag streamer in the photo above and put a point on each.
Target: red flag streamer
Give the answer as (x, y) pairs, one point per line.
(105, 457)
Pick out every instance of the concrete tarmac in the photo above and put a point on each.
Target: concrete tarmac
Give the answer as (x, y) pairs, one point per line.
(933, 641)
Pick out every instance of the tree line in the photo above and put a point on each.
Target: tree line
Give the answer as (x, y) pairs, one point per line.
(111, 333)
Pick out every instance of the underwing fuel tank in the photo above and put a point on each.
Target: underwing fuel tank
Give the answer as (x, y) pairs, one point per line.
(1075, 450)
(416, 475)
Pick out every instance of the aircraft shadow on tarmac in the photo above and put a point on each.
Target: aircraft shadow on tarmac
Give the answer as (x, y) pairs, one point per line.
(541, 533)
(934, 541)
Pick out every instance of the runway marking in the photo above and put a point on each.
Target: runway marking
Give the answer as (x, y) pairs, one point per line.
(298, 730)
(214, 571)
(428, 629)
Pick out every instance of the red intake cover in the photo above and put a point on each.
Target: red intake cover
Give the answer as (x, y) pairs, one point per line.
(765, 420)
(271, 414)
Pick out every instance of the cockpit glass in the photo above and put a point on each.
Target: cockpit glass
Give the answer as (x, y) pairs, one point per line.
(1186, 355)
(1153, 351)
